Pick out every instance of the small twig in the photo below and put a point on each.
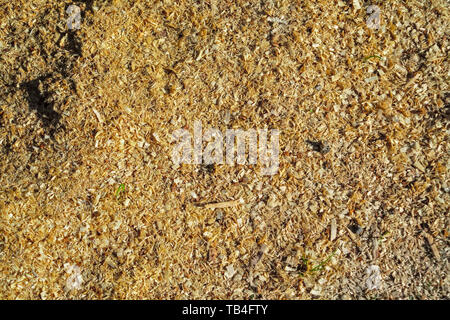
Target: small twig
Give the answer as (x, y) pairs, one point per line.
(220, 205)
(433, 247)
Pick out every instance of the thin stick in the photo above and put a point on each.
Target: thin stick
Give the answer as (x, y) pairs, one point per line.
(221, 205)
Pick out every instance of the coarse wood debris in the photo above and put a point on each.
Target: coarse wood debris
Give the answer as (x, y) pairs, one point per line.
(92, 206)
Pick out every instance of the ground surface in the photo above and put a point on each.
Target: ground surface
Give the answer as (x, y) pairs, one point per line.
(92, 206)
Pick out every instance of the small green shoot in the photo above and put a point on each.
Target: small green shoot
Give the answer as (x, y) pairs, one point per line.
(322, 264)
(382, 237)
(373, 56)
(120, 189)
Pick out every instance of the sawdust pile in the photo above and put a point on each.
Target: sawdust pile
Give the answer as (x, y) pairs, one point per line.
(92, 206)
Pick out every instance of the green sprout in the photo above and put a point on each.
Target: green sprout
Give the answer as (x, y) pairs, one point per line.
(373, 56)
(382, 237)
(322, 264)
(120, 189)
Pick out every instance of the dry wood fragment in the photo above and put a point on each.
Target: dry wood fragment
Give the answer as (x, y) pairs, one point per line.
(221, 205)
(148, 73)
(412, 80)
(353, 237)
(98, 115)
(259, 255)
(333, 229)
(433, 247)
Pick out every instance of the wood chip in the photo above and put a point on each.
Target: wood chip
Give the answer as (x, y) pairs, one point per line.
(97, 114)
(432, 245)
(353, 237)
(333, 229)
